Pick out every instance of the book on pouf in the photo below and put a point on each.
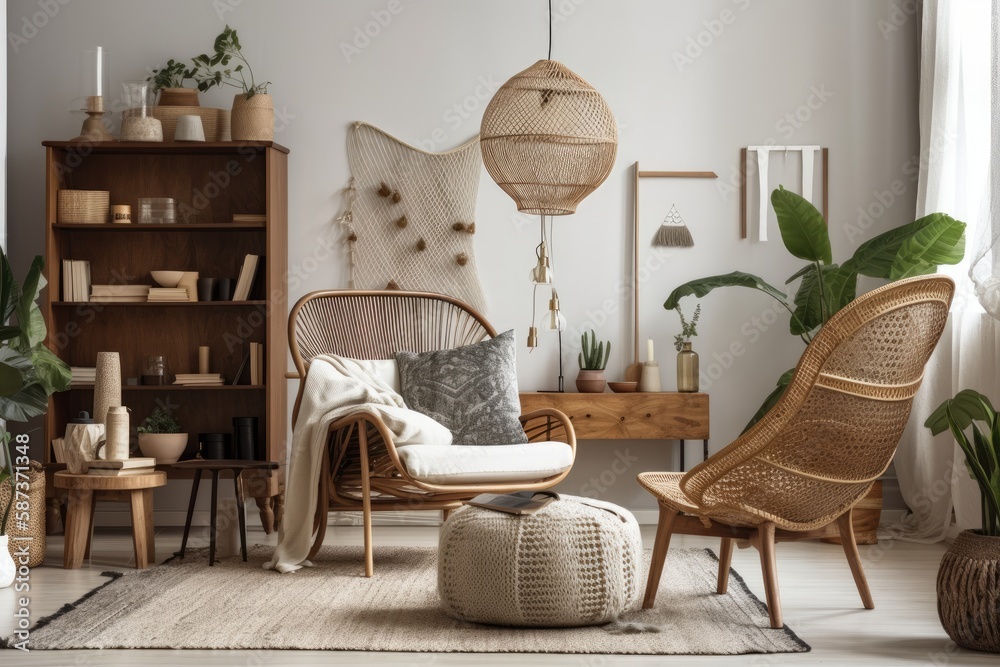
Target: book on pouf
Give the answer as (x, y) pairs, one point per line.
(522, 502)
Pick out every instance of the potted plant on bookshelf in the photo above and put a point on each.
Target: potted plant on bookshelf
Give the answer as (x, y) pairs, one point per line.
(29, 374)
(968, 597)
(160, 437)
(253, 114)
(169, 80)
(593, 361)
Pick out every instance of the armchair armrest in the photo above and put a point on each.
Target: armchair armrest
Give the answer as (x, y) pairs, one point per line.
(549, 424)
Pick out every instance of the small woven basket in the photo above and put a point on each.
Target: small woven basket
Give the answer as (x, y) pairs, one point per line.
(36, 518)
(968, 594)
(90, 207)
(253, 118)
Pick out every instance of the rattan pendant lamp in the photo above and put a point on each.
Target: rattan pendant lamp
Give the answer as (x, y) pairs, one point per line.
(548, 138)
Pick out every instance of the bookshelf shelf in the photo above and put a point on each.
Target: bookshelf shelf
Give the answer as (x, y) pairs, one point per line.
(209, 243)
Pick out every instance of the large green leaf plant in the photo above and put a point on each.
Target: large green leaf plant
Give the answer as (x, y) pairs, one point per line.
(915, 249)
(29, 371)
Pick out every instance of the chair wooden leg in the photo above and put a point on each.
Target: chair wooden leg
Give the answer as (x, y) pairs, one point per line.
(664, 528)
(445, 514)
(769, 566)
(322, 506)
(846, 525)
(366, 497)
(725, 562)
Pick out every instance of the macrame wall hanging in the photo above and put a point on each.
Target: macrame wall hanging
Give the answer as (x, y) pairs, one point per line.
(764, 199)
(409, 216)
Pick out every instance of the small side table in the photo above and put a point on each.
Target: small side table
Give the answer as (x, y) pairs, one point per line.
(80, 512)
(215, 466)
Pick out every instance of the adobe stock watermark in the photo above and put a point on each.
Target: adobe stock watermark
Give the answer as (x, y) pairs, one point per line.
(712, 29)
(899, 14)
(365, 33)
(460, 112)
(29, 26)
(599, 484)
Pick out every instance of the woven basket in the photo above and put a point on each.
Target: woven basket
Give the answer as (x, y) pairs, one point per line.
(253, 118)
(83, 206)
(36, 517)
(214, 121)
(179, 97)
(968, 594)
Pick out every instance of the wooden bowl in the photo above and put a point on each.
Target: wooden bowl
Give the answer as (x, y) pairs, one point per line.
(167, 278)
(623, 387)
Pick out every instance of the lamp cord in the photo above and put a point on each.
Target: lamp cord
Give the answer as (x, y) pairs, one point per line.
(550, 30)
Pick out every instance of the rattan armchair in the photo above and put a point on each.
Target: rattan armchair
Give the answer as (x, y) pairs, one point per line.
(800, 470)
(362, 469)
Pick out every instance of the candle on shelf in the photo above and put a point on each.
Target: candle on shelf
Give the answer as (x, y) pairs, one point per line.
(100, 72)
(649, 350)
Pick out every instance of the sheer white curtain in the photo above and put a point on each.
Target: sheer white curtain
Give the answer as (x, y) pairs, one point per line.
(957, 134)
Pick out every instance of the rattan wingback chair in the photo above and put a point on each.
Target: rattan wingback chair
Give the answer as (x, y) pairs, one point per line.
(801, 469)
(362, 468)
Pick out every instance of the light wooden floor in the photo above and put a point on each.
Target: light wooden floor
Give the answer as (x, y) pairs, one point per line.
(818, 595)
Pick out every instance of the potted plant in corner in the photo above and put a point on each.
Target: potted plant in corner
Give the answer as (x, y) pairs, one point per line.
(967, 590)
(593, 361)
(29, 374)
(169, 80)
(160, 437)
(253, 114)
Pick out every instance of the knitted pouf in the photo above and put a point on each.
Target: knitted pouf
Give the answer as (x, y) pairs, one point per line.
(574, 562)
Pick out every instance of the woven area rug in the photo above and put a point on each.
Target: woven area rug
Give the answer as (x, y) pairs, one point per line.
(235, 605)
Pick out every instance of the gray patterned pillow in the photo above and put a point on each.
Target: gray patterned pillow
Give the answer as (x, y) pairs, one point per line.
(472, 390)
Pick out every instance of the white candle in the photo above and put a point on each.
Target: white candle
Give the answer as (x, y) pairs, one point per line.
(649, 350)
(100, 71)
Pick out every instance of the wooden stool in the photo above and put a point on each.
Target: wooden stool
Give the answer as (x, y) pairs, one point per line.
(215, 466)
(80, 512)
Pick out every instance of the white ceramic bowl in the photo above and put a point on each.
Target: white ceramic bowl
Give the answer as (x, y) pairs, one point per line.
(164, 447)
(167, 278)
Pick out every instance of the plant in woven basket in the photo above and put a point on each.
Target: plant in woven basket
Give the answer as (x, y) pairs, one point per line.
(29, 371)
(688, 329)
(227, 48)
(914, 249)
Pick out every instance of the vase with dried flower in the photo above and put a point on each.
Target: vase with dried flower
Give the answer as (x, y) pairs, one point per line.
(687, 359)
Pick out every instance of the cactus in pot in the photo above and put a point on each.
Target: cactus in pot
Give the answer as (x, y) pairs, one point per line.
(593, 360)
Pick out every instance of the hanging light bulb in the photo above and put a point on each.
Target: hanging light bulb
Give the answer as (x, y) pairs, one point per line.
(554, 319)
(541, 273)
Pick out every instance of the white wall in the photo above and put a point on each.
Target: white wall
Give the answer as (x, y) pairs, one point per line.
(421, 77)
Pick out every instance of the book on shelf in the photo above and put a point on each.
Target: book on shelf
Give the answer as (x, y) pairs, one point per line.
(83, 375)
(245, 282)
(119, 293)
(167, 294)
(249, 217)
(58, 449)
(199, 379)
(115, 472)
(76, 280)
(521, 502)
(122, 464)
(254, 364)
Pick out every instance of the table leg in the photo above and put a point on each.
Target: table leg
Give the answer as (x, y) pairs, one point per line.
(682, 456)
(147, 498)
(140, 525)
(241, 513)
(78, 513)
(190, 512)
(704, 452)
(90, 530)
(215, 498)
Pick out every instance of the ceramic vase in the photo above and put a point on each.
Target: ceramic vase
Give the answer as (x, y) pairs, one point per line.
(590, 382)
(649, 380)
(687, 369)
(8, 569)
(968, 596)
(107, 385)
(252, 118)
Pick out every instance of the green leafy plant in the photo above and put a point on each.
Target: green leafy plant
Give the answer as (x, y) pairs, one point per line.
(982, 454)
(915, 249)
(160, 421)
(29, 371)
(688, 329)
(173, 75)
(594, 355)
(207, 70)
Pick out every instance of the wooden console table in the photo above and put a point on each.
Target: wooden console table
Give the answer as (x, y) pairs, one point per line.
(630, 416)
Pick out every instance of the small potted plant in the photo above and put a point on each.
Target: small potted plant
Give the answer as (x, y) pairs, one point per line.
(968, 597)
(687, 359)
(169, 80)
(593, 361)
(253, 114)
(160, 437)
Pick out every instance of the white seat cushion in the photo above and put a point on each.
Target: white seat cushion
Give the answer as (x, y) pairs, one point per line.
(474, 464)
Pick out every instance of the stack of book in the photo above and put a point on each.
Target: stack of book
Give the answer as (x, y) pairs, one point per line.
(76, 280)
(199, 379)
(244, 284)
(119, 293)
(83, 374)
(160, 294)
(122, 468)
(247, 218)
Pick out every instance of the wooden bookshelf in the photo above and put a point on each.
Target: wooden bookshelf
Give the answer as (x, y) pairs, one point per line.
(210, 182)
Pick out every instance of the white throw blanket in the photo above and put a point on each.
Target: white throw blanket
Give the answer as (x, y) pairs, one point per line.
(336, 386)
